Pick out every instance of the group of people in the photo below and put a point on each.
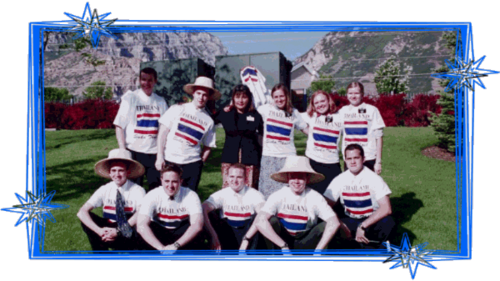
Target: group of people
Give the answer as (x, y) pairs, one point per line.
(270, 197)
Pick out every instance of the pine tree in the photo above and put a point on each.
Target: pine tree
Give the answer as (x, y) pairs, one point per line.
(388, 77)
(444, 124)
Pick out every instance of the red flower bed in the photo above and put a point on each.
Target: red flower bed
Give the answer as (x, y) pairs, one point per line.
(90, 114)
(53, 113)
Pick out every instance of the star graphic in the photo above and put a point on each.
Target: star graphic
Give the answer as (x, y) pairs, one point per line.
(37, 208)
(91, 25)
(407, 256)
(466, 74)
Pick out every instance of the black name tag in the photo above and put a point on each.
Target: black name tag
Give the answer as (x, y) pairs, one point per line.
(362, 110)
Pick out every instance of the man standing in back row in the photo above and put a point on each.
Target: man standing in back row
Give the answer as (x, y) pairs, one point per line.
(184, 128)
(137, 125)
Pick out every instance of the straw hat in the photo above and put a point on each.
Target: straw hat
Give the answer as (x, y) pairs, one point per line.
(205, 82)
(297, 164)
(135, 168)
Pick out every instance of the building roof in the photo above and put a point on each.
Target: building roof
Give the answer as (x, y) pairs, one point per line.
(303, 64)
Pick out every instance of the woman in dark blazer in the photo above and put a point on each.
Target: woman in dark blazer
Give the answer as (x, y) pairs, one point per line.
(243, 126)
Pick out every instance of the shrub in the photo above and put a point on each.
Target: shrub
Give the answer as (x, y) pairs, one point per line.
(53, 113)
(90, 114)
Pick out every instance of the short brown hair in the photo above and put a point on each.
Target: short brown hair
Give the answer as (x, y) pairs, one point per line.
(171, 168)
(356, 85)
(238, 166)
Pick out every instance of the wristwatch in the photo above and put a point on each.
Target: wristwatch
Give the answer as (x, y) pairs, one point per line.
(177, 245)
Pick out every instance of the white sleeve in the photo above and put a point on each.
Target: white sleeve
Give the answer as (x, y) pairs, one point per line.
(331, 192)
(263, 112)
(122, 118)
(378, 133)
(193, 203)
(300, 124)
(216, 200)
(257, 198)
(169, 116)
(209, 137)
(271, 205)
(381, 190)
(323, 211)
(148, 205)
(97, 199)
(139, 194)
(378, 121)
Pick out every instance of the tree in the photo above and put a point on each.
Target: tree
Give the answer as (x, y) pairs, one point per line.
(342, 91)
(98, 91)
(388, 77)
(444, 124)
(324, 83)
(56, 94)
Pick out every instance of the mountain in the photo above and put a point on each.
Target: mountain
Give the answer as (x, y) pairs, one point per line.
(354, 56)
(65, 67)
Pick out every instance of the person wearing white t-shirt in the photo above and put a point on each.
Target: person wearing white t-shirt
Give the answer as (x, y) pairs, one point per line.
(184, 128)
(137, 125)
(363, 125)
(234, 228)
(325, 126)
(289, 218)
(280, 120)
(104, 233)
(170, 217)
(365, 198)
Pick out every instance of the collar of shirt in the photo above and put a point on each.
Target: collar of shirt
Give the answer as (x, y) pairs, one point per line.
(191, 105)
(303, 194)
(239, 193)
(143, 96)
(360, 105)
(177, 196)
(125, 187)
(360, 172)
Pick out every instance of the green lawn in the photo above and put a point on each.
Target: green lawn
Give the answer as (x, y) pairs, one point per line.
(423, 189)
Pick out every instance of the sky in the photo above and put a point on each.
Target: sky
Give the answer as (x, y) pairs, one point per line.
(291, 44)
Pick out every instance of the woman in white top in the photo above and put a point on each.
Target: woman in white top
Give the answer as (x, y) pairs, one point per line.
(325, 126)
(280, 120)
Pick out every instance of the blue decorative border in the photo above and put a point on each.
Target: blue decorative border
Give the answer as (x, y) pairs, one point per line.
(36, 134)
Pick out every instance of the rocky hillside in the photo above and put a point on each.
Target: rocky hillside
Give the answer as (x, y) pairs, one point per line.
(354, 56)
(65, 67)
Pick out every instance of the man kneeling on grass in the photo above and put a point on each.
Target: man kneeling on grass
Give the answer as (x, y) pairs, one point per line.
(289, 218)
(233, 228)
(120, 200)
(364, 195)
(176, 214)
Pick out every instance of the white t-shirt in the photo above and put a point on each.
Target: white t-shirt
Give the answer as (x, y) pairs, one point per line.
(170, 213)
(239, 207)
(358, 194)
(297, 213)
(105, 197)
(138, 116)
(324, 137)
(360, 124)
(189, 127)
(278, 130)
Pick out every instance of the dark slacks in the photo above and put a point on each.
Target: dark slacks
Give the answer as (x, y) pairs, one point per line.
(152, 174)
(230, 237)
(303, 240)
(330, 171)
(378, 232)
(191, 174)
(169, 236)
(120, 242)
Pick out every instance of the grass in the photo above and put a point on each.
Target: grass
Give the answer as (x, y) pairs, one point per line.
(423, 189)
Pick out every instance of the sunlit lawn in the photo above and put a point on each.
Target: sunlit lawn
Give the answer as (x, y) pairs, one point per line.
(423, 189)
